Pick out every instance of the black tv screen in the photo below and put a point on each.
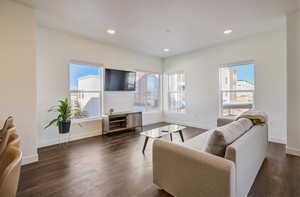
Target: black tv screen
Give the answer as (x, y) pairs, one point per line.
(119, 80)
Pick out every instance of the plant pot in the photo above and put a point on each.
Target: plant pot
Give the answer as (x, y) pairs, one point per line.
(64, 127)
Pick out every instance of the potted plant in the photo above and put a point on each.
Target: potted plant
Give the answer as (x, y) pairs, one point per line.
(63, 119)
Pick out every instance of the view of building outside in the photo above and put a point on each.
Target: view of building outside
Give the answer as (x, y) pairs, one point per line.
(176, 89)
(85, 90)
(237, 89)
(147, 95)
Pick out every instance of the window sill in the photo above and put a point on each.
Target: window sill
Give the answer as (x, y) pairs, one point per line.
(175, 113)
(82, 120)
(152, 112)
(229, 117)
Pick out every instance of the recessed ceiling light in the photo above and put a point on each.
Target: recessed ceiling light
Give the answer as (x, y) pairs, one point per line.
(166, 50)
(228, 31)
(111, 31)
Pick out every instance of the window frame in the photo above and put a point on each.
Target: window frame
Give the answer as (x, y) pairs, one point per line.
(167, 92)
(220, 91)
(159, 108)
(101, 67)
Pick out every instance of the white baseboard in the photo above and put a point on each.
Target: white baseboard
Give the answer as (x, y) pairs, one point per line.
(54, 141)
(152, 118)
(30, 159)
(72, 138)
(152, 122)
(293, 151)
(277, 140)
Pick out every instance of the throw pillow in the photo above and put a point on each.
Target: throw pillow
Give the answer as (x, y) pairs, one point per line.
(225, 135)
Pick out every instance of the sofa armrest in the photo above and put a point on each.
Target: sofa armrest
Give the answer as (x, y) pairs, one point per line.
(182, 171)
(248, 154)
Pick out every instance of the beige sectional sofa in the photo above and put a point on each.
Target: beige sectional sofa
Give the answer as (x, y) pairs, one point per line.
(187, 170)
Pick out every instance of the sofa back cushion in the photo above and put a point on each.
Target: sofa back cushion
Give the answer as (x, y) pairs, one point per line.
(225, 135)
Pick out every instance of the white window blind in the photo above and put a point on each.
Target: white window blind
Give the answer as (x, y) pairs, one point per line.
(176, 92)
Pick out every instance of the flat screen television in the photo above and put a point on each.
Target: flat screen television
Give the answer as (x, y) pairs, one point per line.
(119, 80)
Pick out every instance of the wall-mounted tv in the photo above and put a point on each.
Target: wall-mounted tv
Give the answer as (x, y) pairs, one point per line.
(119, 80)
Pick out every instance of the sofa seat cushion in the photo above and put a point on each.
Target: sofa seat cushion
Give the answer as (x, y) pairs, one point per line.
(225, 135)
(198, 142)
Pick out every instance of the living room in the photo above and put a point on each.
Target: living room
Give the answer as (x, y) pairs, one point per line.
(181, 60)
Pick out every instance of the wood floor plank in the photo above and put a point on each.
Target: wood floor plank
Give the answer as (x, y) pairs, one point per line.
(114, 166)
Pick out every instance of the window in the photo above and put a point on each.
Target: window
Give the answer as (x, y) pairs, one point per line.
(237, 86)
(176, 92)
(85, 90)
(147, 95)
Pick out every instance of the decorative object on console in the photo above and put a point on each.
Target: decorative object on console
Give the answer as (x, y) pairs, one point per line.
(111, 110)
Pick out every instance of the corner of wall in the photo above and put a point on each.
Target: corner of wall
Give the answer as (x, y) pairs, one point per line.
(277, 140)
(162, 63)
(30, 159)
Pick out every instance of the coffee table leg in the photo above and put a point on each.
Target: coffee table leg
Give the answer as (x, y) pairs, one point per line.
(181, 135)
(171, 137)
(145, 144)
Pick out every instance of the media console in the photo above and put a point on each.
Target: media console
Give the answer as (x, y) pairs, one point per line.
(121, 121)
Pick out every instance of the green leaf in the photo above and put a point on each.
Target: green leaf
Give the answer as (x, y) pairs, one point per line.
(51, 123)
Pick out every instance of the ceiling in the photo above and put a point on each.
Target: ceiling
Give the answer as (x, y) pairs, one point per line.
(149, 26)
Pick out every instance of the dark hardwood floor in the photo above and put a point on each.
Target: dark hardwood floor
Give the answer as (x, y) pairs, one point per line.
(114, 166)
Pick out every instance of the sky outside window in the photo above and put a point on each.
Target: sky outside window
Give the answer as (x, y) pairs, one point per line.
(244, 72)
(79, 70)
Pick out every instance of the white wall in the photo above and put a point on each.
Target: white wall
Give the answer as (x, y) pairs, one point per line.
(268, 50)
(17, 75)
(55, 50)
(293, 83)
